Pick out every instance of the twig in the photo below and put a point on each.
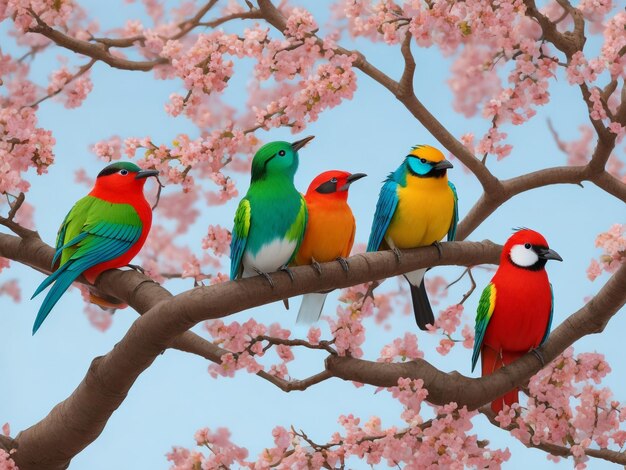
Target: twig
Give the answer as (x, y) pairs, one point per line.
(10, 223)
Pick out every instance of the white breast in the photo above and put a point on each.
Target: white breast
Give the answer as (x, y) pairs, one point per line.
(269, 258)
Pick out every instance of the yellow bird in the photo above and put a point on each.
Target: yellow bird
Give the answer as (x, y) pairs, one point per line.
(416, 207)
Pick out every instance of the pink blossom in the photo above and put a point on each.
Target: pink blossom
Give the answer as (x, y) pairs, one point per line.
(217, 240)
(108, 150)
(12, 289)
(313, 336)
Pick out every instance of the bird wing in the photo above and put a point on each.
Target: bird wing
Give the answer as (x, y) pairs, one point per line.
(94, 231)
(296, 231)
(239, 237)
(385, 208)
(455, 214)
(549, 326)
(486, 304)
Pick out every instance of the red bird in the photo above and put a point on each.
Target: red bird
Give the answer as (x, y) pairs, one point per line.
(515, 310)
(329, 231)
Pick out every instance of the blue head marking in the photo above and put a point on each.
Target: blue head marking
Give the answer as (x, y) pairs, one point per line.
(417, 165)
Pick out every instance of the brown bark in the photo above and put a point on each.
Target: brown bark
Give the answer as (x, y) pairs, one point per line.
(446, 387)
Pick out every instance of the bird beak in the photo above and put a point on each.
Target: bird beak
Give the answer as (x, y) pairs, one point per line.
(547, 253)
(351, 179)
(443, 165)
(298, 144)
(146, 174)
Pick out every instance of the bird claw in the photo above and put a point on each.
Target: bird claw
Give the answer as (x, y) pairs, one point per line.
(316, 266)
(344, 263)
(539, 356)
(398, 253)
(267, 277)
(137, 268)
(438, 246)
(288, 271)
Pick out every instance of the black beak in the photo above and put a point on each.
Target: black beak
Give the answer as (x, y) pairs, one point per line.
(442, 165)
(351, 179)
(146, 174)
(547, 253)
(298, 144)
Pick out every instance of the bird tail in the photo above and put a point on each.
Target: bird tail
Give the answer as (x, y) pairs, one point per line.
(492, 360)
(311, 308)
(64, 279)
(421, 306)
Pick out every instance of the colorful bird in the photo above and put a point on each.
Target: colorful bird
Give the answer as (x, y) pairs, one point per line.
(329, 231)
(416, 207)
(104, 230)
(515, 310)
(271, 218)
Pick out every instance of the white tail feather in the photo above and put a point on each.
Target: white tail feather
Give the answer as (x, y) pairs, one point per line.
(415, 277)
(311, 308)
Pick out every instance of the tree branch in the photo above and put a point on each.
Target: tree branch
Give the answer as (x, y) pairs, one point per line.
(95, 51)
(273, 16)
(446, 387)
(77, 421)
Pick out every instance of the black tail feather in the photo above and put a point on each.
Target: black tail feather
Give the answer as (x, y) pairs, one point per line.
(421, 306)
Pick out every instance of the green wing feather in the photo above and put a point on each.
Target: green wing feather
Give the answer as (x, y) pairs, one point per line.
(486, 305)
(296, 231)
(239, 237)
(93, 232)
(549, 326)
(455, 214)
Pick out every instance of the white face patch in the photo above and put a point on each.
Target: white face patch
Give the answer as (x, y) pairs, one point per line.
(522, 256)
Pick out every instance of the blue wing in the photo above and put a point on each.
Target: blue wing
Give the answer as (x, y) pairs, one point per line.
(486, 306)
(385, 208)
(455, 215)
(239, 237)
(549, 327)
(97, 243)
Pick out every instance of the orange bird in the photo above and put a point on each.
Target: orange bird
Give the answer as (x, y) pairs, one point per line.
(329, 231)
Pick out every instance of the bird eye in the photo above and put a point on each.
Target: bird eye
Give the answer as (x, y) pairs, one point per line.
(123, 172)
(333, 180)
(423, 160)
(527, 246)
(282, 153)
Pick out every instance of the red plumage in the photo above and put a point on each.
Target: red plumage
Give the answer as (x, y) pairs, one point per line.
(119, 189)
(523, 307)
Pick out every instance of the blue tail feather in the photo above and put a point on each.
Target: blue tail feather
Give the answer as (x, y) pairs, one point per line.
(63, 282)
(49, 280)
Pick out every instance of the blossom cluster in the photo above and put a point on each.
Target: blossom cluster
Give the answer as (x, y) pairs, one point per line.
(613, 243)
(566, 408)
(441, 441)
(245, 343)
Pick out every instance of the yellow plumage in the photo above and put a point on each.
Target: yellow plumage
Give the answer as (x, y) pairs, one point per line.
(424, 212)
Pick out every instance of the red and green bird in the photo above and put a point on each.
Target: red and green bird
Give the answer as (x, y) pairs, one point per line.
(104, 230)
(329, 231)
(515, 310)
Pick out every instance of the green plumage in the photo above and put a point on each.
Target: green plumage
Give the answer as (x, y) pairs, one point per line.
(486, 305)
(93, 232)
(272, 215)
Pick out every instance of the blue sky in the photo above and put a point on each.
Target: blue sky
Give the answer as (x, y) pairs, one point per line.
(369, 134)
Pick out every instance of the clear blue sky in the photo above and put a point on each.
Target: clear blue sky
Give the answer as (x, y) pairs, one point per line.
(369, 134)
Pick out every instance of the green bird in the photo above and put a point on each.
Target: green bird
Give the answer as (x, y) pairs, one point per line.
(104, 230)
(271, 218)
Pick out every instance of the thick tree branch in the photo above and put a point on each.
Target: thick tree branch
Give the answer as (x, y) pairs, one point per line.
(77, 421)
(446, 387)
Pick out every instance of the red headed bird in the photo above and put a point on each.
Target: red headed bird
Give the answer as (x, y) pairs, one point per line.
(329, 231)
(515, 310)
